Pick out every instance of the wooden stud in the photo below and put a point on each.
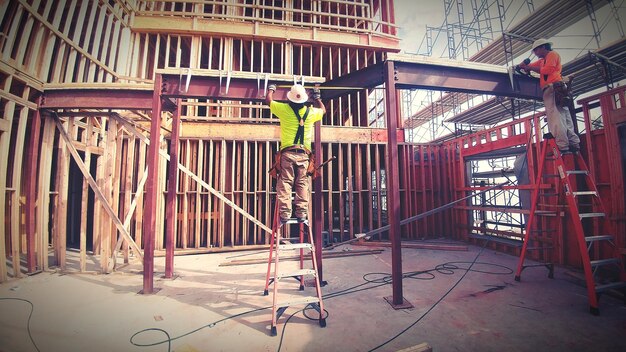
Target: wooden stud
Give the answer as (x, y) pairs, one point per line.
(60, 218)
(5, 137)
(43, 214)
(31, 189)
(89, 140)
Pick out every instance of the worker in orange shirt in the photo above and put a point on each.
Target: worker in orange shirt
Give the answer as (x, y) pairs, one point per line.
(548, 66)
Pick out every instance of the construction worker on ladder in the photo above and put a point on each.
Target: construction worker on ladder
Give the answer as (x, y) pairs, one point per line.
(555, 95)
(294, 163)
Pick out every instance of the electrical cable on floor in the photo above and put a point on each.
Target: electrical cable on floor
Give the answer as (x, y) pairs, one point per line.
(445, 269)
(32, 309)
(170, 339)
(436, 303)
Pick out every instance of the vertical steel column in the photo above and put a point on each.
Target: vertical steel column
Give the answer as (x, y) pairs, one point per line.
(172, 188)
(31, 190)
(393, 188)
(152, 187)
(318, 215)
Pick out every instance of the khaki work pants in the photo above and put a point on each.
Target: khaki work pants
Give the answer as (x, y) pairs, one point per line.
(293, 167)
(559, 122)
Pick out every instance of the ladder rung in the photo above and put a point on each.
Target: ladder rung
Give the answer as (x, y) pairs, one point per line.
(598, 238)
(298, 301)
(577, 172)
(590, 215)
(551, 175)
(291, 246)
(610, 286)
(585, 193)
(607, 261)
(289, 239)
(297, 273)
(545, 213)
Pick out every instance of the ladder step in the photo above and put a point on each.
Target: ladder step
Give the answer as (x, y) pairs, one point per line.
(577, 172)
(598, 238)
(585, 193)
(610, 286)
(297, 273)
(590, 215)
(607, 261)
(299, 301)
(296, 221)
(291, 246)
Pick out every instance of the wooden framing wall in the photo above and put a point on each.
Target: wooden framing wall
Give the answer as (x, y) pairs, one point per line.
(91, 165)
(226, 146)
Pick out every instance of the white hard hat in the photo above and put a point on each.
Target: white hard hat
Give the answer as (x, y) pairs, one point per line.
(297, 94)
(540, 42)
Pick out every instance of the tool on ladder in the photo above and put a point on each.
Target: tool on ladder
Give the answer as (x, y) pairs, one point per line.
(278, 245)
(601, 260)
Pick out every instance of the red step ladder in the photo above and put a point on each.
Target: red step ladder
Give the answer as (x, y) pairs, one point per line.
(279, 244)
(601, 259)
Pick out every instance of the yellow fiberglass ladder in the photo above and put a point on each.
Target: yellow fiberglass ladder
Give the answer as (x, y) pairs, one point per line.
(289, 298)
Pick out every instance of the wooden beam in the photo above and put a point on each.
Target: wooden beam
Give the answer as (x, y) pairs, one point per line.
(247, 29)
(326, 255)
(416, 245)
(271, 132)
(31, 191)
(102, 98)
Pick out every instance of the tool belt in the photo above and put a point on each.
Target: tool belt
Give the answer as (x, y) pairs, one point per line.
(310, 171)
(562, 94)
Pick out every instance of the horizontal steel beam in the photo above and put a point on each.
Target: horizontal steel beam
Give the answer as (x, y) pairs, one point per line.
(209, 87)
(464, 79)
(366, 78)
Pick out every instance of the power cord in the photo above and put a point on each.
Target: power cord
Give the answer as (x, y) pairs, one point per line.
(371, 281)
(32, 309)
(170, 339)
(438, 301)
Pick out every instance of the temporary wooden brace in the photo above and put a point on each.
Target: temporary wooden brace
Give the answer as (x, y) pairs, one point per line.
(99, 195)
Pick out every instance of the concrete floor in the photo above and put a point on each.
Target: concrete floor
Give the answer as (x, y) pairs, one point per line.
(221, 308)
